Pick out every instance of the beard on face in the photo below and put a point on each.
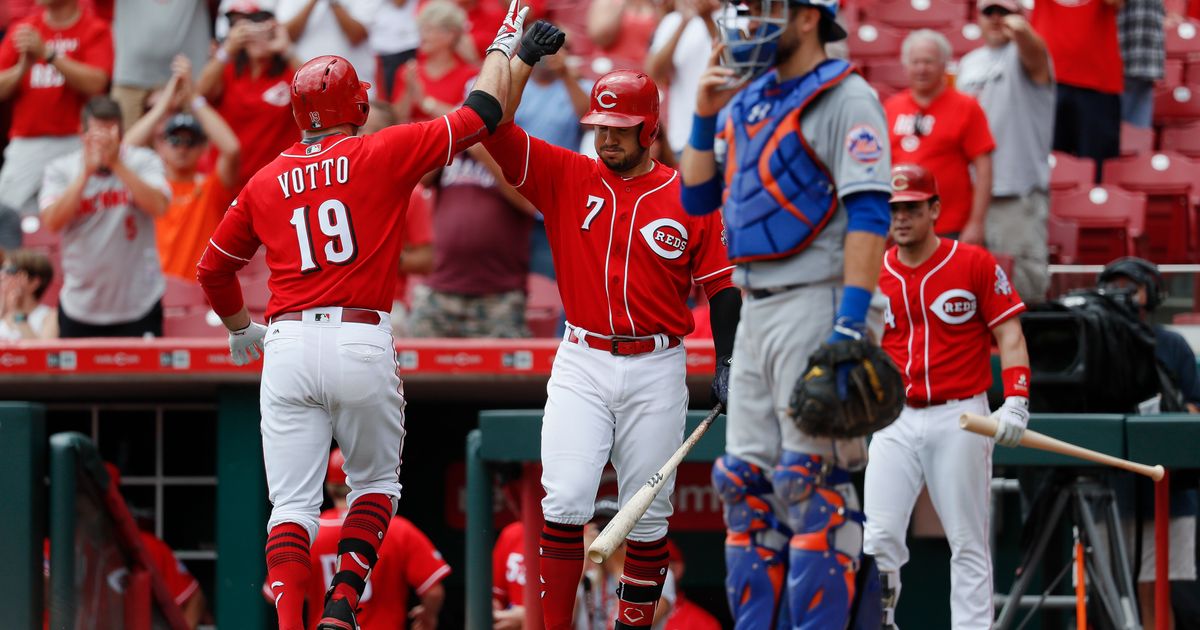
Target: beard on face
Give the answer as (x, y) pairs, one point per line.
(625, 163)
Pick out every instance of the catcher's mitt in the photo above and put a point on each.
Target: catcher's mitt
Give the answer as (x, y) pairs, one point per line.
(874, 391)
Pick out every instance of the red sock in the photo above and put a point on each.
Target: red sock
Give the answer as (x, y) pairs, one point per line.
(561, 566)
(288, 568)
(642, 582)
(358, 549)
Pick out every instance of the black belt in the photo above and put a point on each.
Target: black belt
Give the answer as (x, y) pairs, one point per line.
(767, 292)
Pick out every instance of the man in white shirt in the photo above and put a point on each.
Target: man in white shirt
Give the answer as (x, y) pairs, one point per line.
(683, 38)
(332, 27)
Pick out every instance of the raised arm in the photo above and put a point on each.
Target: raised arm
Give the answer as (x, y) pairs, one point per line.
(83, 78)
(351, 27)
(1031, 48)
(702, 186)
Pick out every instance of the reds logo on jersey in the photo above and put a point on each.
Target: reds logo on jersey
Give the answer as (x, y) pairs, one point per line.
(955, 306)
(666, 237)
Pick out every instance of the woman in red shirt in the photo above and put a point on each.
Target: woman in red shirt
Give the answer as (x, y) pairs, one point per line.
(622, 30)
(248, 80)
(436, 82)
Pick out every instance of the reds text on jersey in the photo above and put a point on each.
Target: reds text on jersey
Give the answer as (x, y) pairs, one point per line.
(508, 566)
(939, 317)
(331, 214)
(625, 252)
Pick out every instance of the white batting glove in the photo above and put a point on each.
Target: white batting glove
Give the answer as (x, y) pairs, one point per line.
(1011, 420)
(246, 345)
(509, 35)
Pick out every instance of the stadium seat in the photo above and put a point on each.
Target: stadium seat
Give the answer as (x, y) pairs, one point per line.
(1168, 179)
(1062, 238)
(914, 14)
(1177, 105)
(1184, 139)
(889, 72)
(1173, 72)
(1111, 221)
(1068, 171)
(195, 322)
(1191, 73)
(1183, 41)
(872, 41)
(963, 38)
(254, 288)
(182, 295)
(1135, 140)
(543, 308)
(1186, 319)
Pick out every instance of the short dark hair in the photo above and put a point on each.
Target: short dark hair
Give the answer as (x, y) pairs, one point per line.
(35, 265)
(101, 108)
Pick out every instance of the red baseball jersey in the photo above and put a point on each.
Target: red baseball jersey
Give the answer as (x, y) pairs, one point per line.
(939, 317)
(331, 216)
(625, 252)
(508, 566)
(407, 560)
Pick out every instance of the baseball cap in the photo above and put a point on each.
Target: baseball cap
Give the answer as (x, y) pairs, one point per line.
(1011, 6)
(829, 8)
(184, 123)
(334, 474)
(911, 182)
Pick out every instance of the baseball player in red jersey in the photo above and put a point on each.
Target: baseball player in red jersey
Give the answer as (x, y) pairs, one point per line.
(946, 301)
(626, 255)
(508, 578)
(407, 561)
(330, 211)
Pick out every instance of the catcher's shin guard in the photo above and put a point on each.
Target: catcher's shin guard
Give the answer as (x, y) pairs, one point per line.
(820, 584)
(755, 562)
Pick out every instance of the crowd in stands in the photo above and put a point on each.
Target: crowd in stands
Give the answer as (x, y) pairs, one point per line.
(1058, 131)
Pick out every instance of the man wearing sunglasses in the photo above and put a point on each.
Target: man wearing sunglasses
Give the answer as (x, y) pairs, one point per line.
(180, 127)
(1013, 79)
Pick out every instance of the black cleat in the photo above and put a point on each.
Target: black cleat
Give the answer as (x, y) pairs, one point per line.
(338, 615)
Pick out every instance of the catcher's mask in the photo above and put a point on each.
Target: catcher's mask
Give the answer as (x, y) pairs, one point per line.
(751, 38)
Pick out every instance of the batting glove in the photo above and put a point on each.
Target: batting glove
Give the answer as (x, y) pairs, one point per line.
(510, 31)
(1011, 420)
(541, 40)
(246, 344)
(720, 384)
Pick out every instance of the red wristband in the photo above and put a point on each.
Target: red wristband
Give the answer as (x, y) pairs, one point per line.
(1016, 381)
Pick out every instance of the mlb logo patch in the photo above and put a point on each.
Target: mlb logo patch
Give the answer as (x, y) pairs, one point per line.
(323, 317)
(316, 148)
(862, 143)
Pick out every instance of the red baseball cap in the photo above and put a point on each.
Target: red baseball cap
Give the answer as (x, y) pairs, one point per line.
(335, 474)
(911, 182)
(1011, 6)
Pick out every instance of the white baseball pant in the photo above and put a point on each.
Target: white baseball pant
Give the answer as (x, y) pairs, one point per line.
(927, 447)
(632, 407)
(323, 379)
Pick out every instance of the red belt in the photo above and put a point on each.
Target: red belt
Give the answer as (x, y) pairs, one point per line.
(349, 316)
(622, 346)
(922, 404)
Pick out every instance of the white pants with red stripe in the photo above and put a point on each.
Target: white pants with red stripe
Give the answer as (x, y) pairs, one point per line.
(324, 379)
(631, 408)
(925, 447)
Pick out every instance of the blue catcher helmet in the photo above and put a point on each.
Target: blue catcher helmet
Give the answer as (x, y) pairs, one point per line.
(750, 30)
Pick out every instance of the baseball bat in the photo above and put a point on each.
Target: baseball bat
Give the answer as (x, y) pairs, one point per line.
(623, 521)
(986, 426)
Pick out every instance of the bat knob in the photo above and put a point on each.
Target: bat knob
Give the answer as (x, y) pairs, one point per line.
(596, 555)
(1159, 472)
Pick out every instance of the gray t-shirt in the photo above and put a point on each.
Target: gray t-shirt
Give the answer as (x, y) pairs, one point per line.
(847, 130)
(1020, 114)
(149, 33)
(111, 272)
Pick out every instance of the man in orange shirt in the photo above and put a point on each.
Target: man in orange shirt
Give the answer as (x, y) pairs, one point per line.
(946, 131)
(198, 200)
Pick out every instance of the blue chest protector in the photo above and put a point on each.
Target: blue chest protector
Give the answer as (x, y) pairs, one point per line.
(778, 193)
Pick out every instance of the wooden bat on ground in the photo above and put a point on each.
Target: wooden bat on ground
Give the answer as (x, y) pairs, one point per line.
(986, 426)
(622, 523)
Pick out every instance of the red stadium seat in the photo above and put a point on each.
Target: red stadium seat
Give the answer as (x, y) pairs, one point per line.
(913, 14)
(874, 41)
(1173, 72)
(1186, 319)
(963, 38)
(1111, 221)
(1062, 238)
(1068, 171)
(193, 323)
(1135, 140)
(182, 295)
(1168, 179)
(1184, 139)
(889, 72)
(1183, 41)
(1191, 73)
(1177, 105)
(884, 92)
(254, 288)
(543, 308)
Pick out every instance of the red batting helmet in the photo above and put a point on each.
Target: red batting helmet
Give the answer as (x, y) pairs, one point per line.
(911, 182)
(335, 474)
(625, 98)
(326, 92)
